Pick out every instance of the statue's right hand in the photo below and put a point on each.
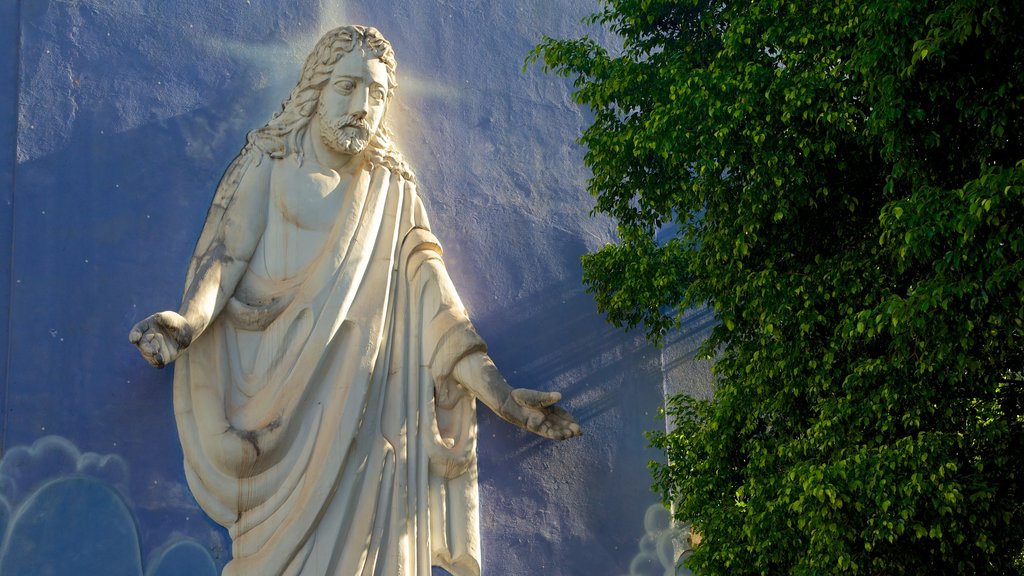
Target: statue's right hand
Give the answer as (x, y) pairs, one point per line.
(161, 337)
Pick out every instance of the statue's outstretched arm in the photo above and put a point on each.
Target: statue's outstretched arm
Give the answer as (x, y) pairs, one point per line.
(234, 226)
(530, 409)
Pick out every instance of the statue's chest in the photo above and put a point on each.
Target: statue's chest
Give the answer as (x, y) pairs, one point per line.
(307, 197)
(308, 205)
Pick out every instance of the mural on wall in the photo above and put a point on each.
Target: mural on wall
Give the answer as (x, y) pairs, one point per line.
(63, 512)
(115, 127)
(662, 547)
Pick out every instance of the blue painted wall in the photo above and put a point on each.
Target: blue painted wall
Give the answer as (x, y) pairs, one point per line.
(117, 119)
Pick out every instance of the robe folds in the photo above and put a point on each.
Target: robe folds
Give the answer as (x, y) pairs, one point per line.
(318, 416)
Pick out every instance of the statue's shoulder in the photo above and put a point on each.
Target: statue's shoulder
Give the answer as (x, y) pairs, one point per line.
(389, 158)
(249, 171)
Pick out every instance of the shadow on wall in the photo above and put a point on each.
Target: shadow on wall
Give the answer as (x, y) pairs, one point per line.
(65, 513)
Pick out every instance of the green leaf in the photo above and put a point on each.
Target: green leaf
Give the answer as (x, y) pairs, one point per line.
(842, 186)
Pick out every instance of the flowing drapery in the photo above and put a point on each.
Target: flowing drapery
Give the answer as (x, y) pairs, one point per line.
(317, 413)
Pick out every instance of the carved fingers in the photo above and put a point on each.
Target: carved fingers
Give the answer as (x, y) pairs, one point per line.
(535, 398)
(161, 337)
(558, 424)
(542, 417)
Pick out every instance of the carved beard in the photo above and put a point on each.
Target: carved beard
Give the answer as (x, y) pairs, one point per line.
(347, 135)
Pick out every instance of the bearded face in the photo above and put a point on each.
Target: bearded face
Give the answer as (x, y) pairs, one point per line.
(352, 104)
(349, 134)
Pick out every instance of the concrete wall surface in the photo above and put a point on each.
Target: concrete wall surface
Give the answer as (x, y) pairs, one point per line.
(118, 118)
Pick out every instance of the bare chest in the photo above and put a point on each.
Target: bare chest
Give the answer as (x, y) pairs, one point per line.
(307, 197)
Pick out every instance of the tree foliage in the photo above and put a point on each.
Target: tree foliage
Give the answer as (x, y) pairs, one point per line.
(845, 186)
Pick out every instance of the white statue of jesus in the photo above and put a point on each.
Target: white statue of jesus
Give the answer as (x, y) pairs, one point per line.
(327, 374)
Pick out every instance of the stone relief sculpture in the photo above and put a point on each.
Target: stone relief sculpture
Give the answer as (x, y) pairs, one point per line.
(326, 372)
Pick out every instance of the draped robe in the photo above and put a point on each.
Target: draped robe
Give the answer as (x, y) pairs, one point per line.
(318, 416)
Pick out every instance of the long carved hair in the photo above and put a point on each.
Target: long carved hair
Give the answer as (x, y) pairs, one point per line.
(283, 134)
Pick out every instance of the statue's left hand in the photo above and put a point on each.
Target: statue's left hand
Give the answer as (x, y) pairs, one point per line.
(536, 411)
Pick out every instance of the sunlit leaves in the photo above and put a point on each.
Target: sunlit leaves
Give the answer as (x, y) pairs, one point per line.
(846, 187)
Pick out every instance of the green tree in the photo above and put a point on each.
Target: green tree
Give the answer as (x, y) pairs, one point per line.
(844, 184)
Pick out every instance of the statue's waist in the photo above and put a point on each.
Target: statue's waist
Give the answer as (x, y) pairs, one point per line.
(258, 301)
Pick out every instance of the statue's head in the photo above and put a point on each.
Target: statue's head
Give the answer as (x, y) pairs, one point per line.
(352, 103)
(347, 82)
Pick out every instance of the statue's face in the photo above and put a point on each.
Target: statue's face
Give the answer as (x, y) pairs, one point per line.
(352, 103)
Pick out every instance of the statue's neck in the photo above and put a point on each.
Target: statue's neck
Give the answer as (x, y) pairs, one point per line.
(327, 157)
